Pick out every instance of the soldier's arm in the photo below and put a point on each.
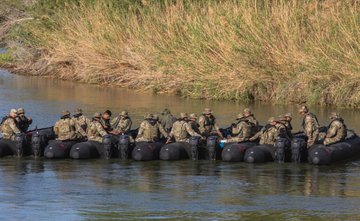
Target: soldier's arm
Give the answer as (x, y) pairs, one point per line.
(113, 122)
(162, 130)
(141, 129)
(256, 136)
(331, 132)
(308, 126)
(101, 130)
(236, 129)
(128, 125)
(14, 127)
(202, 125)
(217, 129)
(56, 129)
(29, 119)
(79, 129)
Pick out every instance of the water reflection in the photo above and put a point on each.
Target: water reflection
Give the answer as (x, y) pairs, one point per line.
(45, 98)
(110, 188)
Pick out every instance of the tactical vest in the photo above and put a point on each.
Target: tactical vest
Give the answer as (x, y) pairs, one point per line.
(209, 123)
(179, 130)
(152, 131)
(268, 136)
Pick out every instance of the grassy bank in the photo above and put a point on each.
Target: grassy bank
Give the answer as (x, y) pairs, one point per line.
(278, 51)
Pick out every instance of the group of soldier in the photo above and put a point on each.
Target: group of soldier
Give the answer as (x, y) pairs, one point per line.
(166, 126)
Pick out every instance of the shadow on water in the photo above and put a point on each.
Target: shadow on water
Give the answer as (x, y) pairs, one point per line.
(105, 190)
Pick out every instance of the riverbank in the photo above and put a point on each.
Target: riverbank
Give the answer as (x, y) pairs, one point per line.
(279, 52)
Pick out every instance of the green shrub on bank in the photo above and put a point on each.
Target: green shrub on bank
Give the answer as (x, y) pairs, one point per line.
(277, 51)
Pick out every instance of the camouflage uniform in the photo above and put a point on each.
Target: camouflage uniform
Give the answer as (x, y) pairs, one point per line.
(81, 125)
(207, 125)
(65, 128)
(22, 121)
(311, 128)
(96, 130)
(242, 131)
(181, 130)
(123, 125)
(167, 120)
(193, 123)
(336, 131)
(285, 127)
(286, 121)
(249, 117)
(149, 130)
(269, 134)
(282, 131)
(9, 129)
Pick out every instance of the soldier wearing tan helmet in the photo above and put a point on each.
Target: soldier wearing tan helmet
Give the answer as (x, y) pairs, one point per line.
(208, 125)
(193, 122)
(249, 116)
(81, 124)
(336, 131)
(241, 130)
(268, 134)
(310, 125)
(22, 121)
(181, 130)
(65, 127)
(286, 121)
(96, 130)
(122, 123)
(150, 130)
(8, 126)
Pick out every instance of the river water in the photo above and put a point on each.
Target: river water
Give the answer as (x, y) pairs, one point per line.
(107, 190)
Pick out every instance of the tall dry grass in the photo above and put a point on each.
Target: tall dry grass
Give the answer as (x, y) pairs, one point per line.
(269, 50)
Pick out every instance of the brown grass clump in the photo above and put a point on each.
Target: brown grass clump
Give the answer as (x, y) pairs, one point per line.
(278, 51)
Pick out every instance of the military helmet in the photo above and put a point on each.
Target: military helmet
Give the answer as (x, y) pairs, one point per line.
(288, 115)
(193, 116)
(247, 111)
(303, 109)
(334, 115)
(183, 115)
(239, 116)
(65, 113)
(155, 117)
(207, 111)
(97, 115)
(124, 113)
(20, 111)
(271, 120)
(78, 111)
(13, 111)
(148, 116)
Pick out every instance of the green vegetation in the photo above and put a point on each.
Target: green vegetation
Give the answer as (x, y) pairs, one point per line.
(278, 51)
